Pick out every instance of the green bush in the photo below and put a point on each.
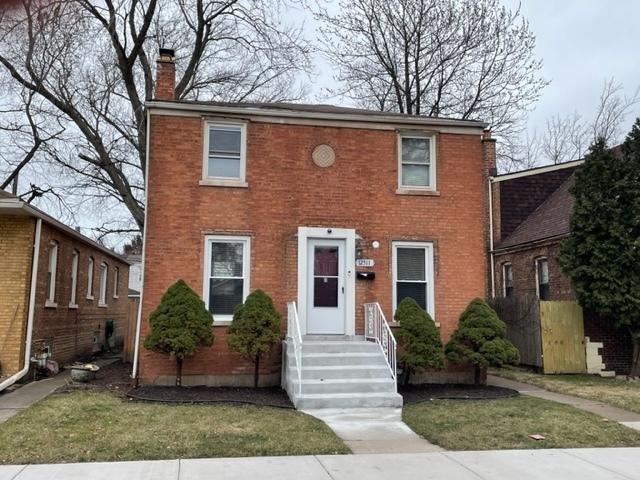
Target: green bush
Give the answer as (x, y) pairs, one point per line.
(480, 339)
(179, 325)
(419, 338)
(255, 329)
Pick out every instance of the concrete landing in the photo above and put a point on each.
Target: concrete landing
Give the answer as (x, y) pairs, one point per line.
(373, 430)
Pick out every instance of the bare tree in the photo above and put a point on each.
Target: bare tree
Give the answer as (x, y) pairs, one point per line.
(565, 138)
(613, 108)
(460, 58)
(90, 66)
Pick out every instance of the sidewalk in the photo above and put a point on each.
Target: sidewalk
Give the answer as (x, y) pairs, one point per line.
(629, 419)
(589, 464)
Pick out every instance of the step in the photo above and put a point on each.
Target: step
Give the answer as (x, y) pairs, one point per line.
(345, 371)
(345, 359)
(348, 385)
(333, 338)
(340, 347)
(347, 400)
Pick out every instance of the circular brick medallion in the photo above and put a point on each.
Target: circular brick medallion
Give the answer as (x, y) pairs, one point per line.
(323, 156)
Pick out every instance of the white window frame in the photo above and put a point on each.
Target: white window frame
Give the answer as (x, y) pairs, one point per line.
(432, 162)
(75, 261)
(537, 267)
(246, 270)
(104, 279)
(116, 280)
(504, 277)
(52, 269)
(225, 181)
(429, 273)
(91, 265)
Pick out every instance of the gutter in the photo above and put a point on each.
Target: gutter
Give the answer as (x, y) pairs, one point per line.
(491, 259)
(32, 301)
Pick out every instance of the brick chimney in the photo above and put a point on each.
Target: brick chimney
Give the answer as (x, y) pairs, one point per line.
(489, 153)
(165, 75)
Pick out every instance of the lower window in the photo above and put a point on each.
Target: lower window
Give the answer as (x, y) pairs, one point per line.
(413, 274)
(226, 282)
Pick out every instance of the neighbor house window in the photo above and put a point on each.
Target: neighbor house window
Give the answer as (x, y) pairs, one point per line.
(74, 279)
(116, 281)
(104, 273)
(507, 280)
(225, 152)
(413, 274)
(542, 278)
(52, 267)
(90, 278)
(416, 162)
(226, 282)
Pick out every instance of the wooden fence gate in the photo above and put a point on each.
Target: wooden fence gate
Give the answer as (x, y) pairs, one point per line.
(130, 332)
(563, 348)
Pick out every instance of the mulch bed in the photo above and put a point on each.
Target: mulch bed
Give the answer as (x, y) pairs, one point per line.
(266, 396)
(114, 378)
(426, 392)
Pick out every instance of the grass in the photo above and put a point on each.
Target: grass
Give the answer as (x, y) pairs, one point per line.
(87, 426)
(506, 424)
(619, 393)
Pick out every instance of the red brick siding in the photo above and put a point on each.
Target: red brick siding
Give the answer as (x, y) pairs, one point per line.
(617, 349)
(287, 190)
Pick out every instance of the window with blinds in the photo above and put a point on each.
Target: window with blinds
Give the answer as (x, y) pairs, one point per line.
(413, 273)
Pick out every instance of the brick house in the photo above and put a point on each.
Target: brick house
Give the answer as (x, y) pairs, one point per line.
(57, 290)
(328, 207)
(531, 216)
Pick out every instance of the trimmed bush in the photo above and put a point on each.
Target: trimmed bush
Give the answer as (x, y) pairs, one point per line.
(255, 329)
(179, 325)
(480, 339)
(419, 338)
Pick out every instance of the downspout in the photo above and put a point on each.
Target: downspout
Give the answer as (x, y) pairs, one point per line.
(32, 301)
(136, 354)
(493, 275)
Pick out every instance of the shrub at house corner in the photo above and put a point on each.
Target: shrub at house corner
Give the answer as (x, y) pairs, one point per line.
(255, 329)
(480, 339)
(179, 325)
(419, 338)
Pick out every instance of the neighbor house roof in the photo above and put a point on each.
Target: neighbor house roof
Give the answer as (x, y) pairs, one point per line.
(551, 219)
(316, 111)
(12, 205)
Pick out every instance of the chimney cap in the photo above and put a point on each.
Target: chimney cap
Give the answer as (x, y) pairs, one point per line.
(167, 54)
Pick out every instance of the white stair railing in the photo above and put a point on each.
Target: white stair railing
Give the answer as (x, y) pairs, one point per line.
(377, 328)
(294, 333)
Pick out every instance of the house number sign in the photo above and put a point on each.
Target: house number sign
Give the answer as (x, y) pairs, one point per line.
(365, 262)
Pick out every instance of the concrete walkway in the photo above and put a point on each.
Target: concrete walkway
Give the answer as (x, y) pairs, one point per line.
(587, 464)
(629, 419)
(373, 430)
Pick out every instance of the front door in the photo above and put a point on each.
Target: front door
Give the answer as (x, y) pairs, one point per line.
(325, 286)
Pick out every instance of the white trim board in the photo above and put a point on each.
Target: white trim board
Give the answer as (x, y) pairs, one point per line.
(536, 171)
(348, 234)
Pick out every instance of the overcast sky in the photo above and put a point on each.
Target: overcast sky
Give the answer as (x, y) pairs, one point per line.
(581, 42)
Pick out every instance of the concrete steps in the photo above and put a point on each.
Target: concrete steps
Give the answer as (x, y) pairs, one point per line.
(340, 373)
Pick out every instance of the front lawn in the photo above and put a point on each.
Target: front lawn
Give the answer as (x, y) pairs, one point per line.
(506, 424)
(86, 426)
(619, 393)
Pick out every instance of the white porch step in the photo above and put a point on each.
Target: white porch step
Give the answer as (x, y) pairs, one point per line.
(347, 400)
(349, 385)
(328, 372)
(327, 359)
(340, 347)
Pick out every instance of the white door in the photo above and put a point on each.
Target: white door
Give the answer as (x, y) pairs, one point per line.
(326, 286)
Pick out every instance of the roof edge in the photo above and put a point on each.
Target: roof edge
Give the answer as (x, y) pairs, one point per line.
(536, 171)
(280, 112)
(531, 243)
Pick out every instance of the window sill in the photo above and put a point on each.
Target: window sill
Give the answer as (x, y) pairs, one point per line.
(50, 304)
(414, 191)
(103, 305)
(211, 182)
(73, 306)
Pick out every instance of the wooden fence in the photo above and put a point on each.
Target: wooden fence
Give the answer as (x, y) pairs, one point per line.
(522, 316)
(130, 331)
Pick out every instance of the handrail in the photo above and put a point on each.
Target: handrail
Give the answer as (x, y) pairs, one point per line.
(294, 333)
(377, 328)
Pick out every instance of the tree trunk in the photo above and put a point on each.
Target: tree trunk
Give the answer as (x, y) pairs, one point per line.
(477, 374)
(634, 371)
(406, 374)
(178, 372)
(256, 370)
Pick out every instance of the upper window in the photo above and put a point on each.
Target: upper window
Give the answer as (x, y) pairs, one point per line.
(507, 280)
(416, 162)
(413, 274)
(542, 278)
(52, 267)
(90, 278)
(225, 152)
(102, 298)
(116, 281)
(74, 278)
(226, 282)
